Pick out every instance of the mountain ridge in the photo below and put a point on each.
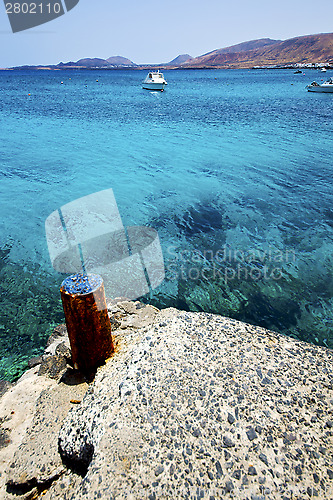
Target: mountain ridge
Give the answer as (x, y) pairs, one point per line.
(244, 46)
(305, 49)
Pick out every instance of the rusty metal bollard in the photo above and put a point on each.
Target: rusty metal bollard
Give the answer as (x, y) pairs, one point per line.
(87, 320)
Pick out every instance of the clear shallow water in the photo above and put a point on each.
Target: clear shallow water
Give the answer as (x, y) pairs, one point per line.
(233, 168)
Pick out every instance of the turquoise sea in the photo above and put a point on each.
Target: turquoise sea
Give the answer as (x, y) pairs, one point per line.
(233, 168)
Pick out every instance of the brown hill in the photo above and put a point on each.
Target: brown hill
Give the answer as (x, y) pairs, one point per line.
(182, 58)
(305, 49)
(120, 61)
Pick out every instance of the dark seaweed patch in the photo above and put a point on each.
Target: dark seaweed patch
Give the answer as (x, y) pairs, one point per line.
(202, 218)
(262, 311)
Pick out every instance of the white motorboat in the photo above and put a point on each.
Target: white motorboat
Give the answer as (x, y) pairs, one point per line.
(154, 81)
(324, 87)
(323, 70)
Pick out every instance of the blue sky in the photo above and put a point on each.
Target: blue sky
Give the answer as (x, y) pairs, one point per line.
(147, 31)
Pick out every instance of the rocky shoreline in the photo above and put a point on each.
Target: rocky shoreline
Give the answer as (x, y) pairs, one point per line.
(192, 405)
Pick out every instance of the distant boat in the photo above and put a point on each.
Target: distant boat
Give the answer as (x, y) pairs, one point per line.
(324, 87)
(298, 71)
(323, 70)
(154, 81)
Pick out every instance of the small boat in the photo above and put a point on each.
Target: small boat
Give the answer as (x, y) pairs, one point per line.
(154, 81)
(324, 87)
(297, 72)
(323, 70)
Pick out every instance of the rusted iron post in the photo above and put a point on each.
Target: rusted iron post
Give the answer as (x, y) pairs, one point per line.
(87, 320)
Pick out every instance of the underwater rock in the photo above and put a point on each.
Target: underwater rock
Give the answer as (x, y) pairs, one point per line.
(272, 298)
(202, 218)
(277, 313)
(211, 297)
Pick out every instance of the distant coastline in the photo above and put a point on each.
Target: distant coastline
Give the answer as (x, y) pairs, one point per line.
(304, 52)
(312, 66)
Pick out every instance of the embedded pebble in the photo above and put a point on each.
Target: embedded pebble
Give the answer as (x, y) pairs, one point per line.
(252, 471)
(251, 434)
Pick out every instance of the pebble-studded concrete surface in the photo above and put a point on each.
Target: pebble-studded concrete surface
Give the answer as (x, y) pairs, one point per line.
(195, 405)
